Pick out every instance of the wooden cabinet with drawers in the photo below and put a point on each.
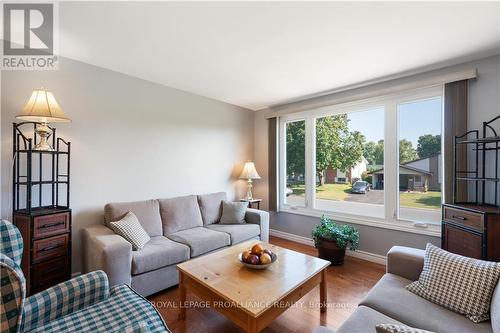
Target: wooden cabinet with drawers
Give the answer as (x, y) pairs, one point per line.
(47, 247)
(471, 230)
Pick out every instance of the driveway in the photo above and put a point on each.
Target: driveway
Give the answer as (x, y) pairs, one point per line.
(374, 197)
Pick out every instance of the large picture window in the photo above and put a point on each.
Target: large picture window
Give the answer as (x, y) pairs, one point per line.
(372, 161)
(349, 149)
(419, 173)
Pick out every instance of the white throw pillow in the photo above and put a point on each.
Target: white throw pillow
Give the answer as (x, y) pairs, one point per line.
(233, 212)
(130, 229)
(461, 284)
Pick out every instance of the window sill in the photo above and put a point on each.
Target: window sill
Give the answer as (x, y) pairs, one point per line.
(428, 229)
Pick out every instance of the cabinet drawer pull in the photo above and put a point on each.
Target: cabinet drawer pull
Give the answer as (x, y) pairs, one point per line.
(459, 217)
(50, 225)
(48, 248)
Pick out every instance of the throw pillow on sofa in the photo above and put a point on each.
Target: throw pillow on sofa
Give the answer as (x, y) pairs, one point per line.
(461, 284)
(391, 328)
(233, 212)
(130, 229)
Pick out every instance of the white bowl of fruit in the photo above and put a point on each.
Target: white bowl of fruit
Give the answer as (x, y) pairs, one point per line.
(257, 257)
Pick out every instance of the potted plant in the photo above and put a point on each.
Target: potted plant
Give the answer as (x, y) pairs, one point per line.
(331, 239)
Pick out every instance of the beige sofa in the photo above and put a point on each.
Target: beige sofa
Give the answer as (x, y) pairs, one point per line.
(180, 228)
(390, 303)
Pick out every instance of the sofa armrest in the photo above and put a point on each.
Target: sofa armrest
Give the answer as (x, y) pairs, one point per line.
(64, 298)
(104, 250)
(138, 327)
(261, 218)
(405, 261)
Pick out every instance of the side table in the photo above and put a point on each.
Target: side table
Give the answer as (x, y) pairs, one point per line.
(251, 202)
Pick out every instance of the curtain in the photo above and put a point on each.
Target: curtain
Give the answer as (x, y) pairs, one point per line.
(455, 123)
(273, 166)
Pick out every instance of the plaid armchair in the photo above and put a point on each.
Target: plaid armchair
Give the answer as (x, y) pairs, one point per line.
(82, 304)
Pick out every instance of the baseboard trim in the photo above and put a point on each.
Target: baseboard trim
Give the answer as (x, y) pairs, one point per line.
(291, 237)
(368, 256)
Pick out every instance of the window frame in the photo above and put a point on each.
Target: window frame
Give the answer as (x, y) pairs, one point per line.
(391, 157)
(282, 164)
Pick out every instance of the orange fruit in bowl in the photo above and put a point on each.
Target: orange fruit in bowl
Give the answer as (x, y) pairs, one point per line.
(257, 249)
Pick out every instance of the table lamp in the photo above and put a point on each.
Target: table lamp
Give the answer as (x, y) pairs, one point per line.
(249, 173)
(42, 108)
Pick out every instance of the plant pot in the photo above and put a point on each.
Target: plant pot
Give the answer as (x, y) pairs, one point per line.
(328, 250)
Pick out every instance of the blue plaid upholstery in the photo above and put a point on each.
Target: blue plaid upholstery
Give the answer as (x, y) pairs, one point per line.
(82, 304)
(65, 298)
(12, 241)
(122, 309)
(12, 293)
(140, 327)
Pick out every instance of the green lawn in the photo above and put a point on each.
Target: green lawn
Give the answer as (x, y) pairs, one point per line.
(327, 191)
(429, 200)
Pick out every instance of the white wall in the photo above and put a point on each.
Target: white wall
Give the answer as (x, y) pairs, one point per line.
(358, 169)
(423, 164)
(484, 104)
(131, 139)
(1, 149)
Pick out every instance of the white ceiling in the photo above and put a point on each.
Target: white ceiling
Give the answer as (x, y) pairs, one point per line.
(260, 54)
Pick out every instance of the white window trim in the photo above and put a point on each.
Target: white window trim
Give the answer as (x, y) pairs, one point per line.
(391, 197)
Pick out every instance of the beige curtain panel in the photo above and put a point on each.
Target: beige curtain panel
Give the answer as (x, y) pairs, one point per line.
(273, 166)
(455, 123)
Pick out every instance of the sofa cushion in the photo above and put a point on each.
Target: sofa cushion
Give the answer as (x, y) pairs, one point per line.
(390, 297)
(201, 240)
(364, 320)
(157, 253)
(238, 232)
(461, 284)
(180, 213)
(211, 206)
(147, 212)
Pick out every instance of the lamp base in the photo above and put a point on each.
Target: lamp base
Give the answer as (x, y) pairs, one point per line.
(44, 132)
(249, 190)
(43, 146)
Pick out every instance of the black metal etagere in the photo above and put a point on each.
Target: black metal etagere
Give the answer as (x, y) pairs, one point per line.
(23, 184)
(481, 174)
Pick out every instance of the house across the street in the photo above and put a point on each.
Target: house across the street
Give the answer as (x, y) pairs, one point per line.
(333, 176)
(417, 175)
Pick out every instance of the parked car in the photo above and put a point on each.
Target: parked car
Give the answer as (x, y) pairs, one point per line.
(361, 187)
(288, 191)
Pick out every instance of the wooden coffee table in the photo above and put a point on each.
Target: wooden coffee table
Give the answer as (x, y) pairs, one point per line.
(252, 299)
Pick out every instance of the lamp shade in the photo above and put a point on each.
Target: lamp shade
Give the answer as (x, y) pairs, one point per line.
(249, 171)
(43, 107)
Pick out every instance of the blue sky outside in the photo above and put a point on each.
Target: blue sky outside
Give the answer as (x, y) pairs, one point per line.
(415, 119)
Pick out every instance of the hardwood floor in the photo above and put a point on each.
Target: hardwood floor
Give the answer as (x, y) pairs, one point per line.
(346, 286)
